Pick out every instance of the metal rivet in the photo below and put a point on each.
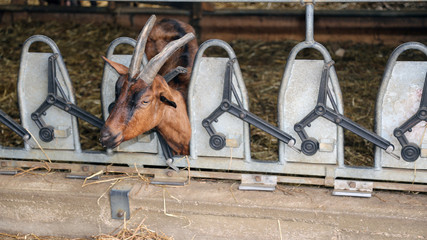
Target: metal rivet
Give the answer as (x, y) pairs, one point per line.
(120, 213)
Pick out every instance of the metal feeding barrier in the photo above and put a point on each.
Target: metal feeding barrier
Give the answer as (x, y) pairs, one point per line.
(403, 90)
(310, 118)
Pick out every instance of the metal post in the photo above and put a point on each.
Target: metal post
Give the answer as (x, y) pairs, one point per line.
(309, 22)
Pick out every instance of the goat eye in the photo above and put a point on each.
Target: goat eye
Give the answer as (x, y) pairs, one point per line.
(145, 102)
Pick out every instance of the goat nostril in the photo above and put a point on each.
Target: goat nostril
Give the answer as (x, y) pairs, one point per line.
(105, 133)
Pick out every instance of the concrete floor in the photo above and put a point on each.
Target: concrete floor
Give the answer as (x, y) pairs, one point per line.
(53, 205)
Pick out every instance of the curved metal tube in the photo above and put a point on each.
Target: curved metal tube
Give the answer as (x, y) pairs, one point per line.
(240, 82)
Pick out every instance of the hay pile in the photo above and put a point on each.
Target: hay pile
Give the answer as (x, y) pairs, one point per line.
(359, 71)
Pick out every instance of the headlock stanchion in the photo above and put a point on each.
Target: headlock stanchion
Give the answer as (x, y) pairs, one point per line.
(47, 133)
(205, 95)
(33, 91)
(402, 110)
(310, 145)
(298, 96)
(217, 140)
(310, 117)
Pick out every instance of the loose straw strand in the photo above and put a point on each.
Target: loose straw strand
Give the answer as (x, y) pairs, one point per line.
(38, 144)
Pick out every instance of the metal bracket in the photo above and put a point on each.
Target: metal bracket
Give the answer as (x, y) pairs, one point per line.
(169, 177)
(351, 188)
(329, 176)
(258, 182)
(6, 172)
(119, 202)
(83, 172)
(5, 169)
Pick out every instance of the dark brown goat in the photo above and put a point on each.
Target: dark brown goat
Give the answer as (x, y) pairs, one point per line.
(143, 99)
(164, 32)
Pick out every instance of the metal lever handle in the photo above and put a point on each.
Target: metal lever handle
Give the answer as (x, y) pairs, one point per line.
(175, 72)
(14, 126)
(167, 152)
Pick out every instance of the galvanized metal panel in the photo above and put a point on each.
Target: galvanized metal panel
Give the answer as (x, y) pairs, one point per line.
(300, 98)
(206, 97)
(32, 91)
(400, 102)
(144, 143)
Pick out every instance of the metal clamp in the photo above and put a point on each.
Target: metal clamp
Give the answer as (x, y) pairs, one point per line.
(217, 141)
(411, 151)
(309, 145)
(46, 132)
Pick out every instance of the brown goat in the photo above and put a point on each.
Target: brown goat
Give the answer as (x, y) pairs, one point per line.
(143, 99)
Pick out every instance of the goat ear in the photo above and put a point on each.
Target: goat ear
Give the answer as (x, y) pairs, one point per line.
(160, 86)
(120, 68)
(167, 101)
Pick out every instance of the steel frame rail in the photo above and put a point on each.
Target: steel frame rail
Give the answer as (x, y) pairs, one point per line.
(325, 172)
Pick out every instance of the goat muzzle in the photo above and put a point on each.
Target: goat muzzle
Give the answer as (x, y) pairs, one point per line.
(109, 139)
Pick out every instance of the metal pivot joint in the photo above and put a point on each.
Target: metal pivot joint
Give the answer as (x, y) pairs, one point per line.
(217, 141)
(46, 132)
(309, 145)
(411, 151)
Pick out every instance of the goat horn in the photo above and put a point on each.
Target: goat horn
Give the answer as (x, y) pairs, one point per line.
(153, 66)
(139, 50)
